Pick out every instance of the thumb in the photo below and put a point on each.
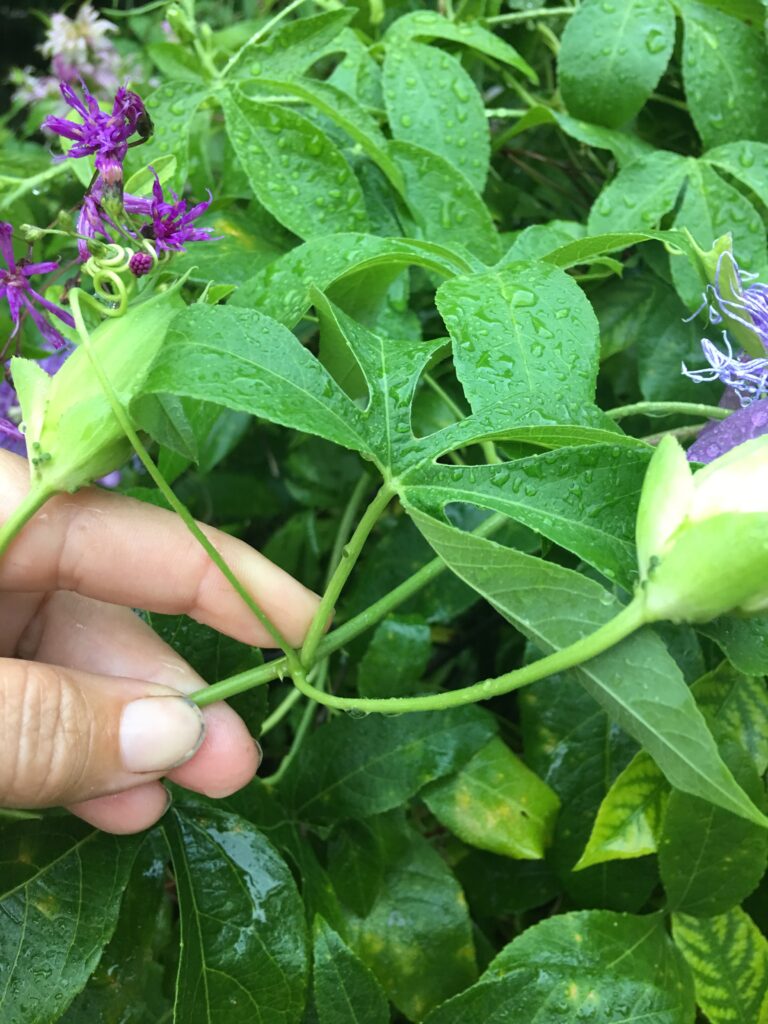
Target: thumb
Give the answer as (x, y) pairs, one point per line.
(69, 736)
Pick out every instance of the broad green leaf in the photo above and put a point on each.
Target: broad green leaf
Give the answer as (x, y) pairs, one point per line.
(586, 250)
(525, 340)
(295, 170)
(358, 74)
(738, 705)
(728, 956)
(129, 983)
(745, 161)
(711, 208)
(243, 360)
(629, 819)
(172, 107)
(431, 25)
(291, 48)
(243, 934)
(443, 204)
(353, 768)
(395, 658)
(743, 641)
(283, 289)
(582, 498)
(62, 883)
(589, 965)
(178, 62)
(432, 102)
(612, 56)
(625, 147)
(417, 936)
(698, 838)
(496, 803)
(640, 194)
(499, 887)
(637, 683)
(239, 251)
(538, 240)
(575, 748)
(345, 990)
(725, 75)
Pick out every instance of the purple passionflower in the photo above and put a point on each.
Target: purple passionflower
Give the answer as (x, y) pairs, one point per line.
(171, 222)
(16, 288)
(102, 135)
(745, 377)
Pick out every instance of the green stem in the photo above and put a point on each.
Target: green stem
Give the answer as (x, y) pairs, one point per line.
(540, 12)
(302, 729)
(280, 711)
(30, 503)
(165, 489)
(342, 635)
(350, 555)
(714, 412)
(629, 619)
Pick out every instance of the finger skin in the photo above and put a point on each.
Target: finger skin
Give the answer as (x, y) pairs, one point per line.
(82, 634)
(60, 740)
(127, 552)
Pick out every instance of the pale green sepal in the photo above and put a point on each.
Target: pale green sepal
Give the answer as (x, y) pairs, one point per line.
(712, 567)
(33, 387)
(735, 482)
(77, 438)
(664, 501)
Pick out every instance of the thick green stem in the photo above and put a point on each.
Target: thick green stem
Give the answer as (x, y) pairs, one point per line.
(350, 555)
(31, 503)
(374, 613)
(714, 412)
(627, 621)
(165, 489)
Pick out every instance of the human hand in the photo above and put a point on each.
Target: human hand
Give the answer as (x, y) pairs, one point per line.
(90, 712)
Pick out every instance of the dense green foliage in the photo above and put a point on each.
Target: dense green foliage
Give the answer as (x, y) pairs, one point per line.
(451, 242)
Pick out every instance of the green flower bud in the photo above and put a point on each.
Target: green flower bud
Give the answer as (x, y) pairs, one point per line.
(71, 431)
(702, 538)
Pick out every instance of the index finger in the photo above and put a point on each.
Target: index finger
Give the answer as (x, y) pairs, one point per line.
(124, 551)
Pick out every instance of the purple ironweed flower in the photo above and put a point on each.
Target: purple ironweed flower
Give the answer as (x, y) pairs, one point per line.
(171, 223)
(16, 288)
(103, 135)
(11, 438)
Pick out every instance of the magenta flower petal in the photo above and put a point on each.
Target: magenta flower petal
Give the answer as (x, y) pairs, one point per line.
(719, 436)
(16, 289)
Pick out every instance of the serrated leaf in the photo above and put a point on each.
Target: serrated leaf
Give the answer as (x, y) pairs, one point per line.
(629, 819)
(443, 204)
(725, 75)
(698, 839)
(432, 102)
(496, 803)
(283, 290)
(640, 194)
(430, 25)
(243, 936)
(624, 146)
(711, 208)
(345, 990)
(612, 57)
(637, 683)
(60, 897)
(525, 341)
(291, 48)
(579, 966)
(728, 956)
(295, 170)
(416, 936)
(354, 768)
(738, 705)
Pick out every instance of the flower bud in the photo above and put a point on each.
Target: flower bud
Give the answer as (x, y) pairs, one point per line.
(71, 431)
(702, 538)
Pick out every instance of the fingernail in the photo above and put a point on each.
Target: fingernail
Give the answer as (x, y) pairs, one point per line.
(259, 753)
(159, 733)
